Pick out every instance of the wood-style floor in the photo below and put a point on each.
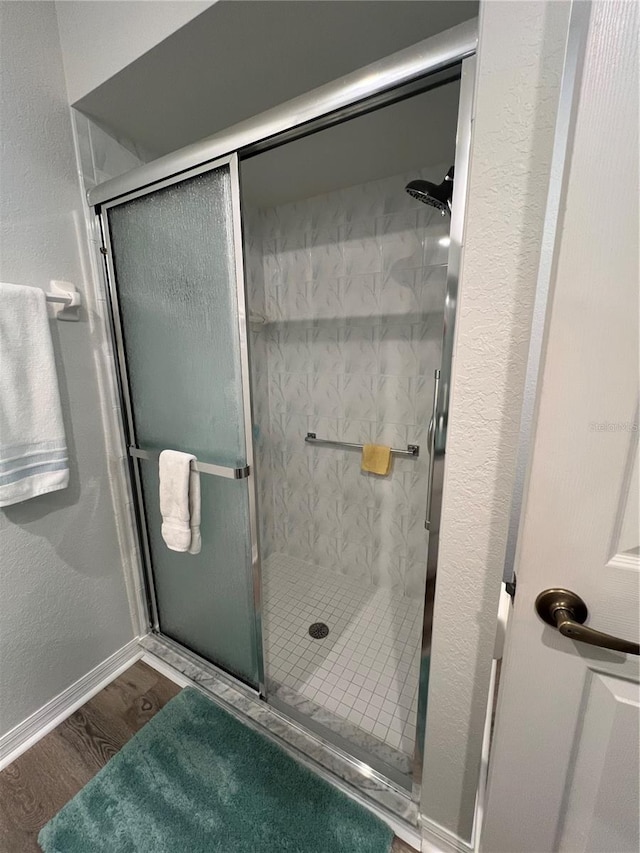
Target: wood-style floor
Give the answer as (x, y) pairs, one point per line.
(48, 775)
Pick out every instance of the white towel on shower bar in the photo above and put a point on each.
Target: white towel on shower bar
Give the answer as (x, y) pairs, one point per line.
(179, 501)
(33, 448)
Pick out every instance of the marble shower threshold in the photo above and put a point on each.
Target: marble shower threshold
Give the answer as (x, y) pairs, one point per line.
(363, 784)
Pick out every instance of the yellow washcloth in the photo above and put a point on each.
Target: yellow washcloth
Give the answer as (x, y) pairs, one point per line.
(376, 459)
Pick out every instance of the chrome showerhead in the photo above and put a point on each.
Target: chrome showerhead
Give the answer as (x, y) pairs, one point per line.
(436, 195)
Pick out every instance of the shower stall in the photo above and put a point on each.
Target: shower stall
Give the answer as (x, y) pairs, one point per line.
(282, 294)
(346, 293)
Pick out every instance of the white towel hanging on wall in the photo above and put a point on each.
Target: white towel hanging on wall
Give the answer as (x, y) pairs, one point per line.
(33, 447)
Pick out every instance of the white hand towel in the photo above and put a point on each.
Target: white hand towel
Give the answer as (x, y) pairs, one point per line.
(33, 448)
(179, 501)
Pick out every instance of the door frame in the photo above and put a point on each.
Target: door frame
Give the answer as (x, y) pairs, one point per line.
(401, 75)
(577, 33)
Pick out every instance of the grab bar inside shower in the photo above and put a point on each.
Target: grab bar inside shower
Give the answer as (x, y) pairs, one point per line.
(202, 467)
(310, 438)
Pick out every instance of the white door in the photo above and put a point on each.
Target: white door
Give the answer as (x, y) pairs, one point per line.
(564, 764)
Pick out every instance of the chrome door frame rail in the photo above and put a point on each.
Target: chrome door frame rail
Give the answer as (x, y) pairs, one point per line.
(197, 465)
(442, 388)
(124, 396)
(377, 84)
(247, 411)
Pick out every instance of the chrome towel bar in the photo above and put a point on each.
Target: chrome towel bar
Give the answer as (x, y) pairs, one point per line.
(202, 467)
(310, 438)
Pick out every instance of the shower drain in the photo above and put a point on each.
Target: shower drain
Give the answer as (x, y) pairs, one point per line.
(318, 630)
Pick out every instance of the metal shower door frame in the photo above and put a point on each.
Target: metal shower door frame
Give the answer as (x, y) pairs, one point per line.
(440, 415)
(135, 454)
(379, 84)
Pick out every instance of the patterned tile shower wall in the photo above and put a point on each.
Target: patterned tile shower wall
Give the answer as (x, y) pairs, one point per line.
(352, 286)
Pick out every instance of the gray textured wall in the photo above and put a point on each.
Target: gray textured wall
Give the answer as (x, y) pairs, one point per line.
(100, 39)
(63, 604)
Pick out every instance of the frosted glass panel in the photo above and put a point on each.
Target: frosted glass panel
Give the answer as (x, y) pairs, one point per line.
(204, 600)
(175, 272)
(173, 256)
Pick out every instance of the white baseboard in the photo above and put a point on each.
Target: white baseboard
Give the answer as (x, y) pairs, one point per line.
(437, 839)
(44, 720)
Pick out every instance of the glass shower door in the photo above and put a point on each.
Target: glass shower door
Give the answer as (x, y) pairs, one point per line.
(176, 286)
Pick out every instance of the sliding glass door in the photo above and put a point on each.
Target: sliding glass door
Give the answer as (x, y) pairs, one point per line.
(177, 290)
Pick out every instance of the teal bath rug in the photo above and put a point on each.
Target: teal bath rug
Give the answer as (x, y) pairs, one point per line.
(195, 780)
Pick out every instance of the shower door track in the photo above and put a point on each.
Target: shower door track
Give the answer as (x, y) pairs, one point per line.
(380, 83)
(338, 766)
(396, 77)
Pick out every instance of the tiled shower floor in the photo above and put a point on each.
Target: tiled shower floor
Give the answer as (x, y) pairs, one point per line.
(365, 672)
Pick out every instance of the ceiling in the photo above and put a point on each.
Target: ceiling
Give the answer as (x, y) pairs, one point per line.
(401, 138)
(240, 57)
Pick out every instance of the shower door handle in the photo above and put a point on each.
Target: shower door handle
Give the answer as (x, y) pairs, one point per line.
(431, 443)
